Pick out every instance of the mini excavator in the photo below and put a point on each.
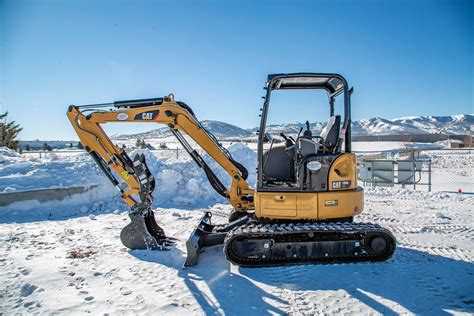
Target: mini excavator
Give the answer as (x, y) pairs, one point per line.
(306, 194)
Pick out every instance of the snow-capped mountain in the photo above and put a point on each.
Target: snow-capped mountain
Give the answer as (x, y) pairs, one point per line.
(218, 128)
(455, 124)
(381, 126)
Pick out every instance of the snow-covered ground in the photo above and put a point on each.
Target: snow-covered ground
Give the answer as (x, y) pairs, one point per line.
(66, 257)
(78, 265)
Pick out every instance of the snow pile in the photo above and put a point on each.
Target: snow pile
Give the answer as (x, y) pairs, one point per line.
(178, 182)
(182, 182)
(22, 173)
(6, 152)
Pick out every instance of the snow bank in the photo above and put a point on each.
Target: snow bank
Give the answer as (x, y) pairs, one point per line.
(182, 182)
(22, 173)
(179, 182)
(5, 152)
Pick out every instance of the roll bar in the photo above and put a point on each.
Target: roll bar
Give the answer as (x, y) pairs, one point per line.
(334, 84)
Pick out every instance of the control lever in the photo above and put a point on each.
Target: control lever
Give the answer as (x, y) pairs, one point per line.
(288, 141)
(307, 133)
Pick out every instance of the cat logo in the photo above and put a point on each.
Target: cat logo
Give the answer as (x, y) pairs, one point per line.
(147, 116)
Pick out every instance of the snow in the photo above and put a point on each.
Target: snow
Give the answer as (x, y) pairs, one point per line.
(82, 261)
(65, 257)
(21, 173)
(454, 124)
(181, 182)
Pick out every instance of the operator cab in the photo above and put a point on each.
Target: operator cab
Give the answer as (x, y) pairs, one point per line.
(301, 162)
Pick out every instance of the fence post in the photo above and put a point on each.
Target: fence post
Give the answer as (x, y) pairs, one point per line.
(177, 153)
(429, 175)
(414, 170)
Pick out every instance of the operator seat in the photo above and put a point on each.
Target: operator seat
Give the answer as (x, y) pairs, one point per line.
(277, 164)
(330, 133)
(305, 145)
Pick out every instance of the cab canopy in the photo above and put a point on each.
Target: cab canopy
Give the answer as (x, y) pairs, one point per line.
(332, 83)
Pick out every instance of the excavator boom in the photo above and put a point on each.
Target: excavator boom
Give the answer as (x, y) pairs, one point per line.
(133, 179)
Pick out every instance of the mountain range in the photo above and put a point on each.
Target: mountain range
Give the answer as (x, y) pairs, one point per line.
(411, 125)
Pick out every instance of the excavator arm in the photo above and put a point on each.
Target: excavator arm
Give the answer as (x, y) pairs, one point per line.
(133, 179)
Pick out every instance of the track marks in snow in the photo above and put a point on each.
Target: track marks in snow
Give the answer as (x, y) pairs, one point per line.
(458, 231)
(447, 252)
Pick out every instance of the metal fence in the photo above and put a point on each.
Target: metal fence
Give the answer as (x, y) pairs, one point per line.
(390, 172)
(446, 170)
(453, 170)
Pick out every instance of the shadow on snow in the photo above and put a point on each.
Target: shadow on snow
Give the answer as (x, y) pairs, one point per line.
(415, 281)
(231, 294)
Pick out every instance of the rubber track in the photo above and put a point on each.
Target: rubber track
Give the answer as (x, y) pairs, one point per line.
(291, 232)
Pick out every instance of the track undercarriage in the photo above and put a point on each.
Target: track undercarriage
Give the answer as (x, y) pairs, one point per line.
(249, 243)
(256, 244)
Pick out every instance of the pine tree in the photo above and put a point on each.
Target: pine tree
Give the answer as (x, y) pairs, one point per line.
(9, 132)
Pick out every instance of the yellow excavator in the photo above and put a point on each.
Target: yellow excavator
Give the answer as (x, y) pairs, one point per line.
(306, 194)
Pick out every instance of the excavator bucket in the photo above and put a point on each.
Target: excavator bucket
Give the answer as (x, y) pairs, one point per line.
(143, 232)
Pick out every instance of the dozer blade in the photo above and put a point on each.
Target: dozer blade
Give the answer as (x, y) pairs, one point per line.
(144, 233)
(206, 235)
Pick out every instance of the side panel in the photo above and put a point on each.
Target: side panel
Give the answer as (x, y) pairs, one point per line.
(300, 206)
(307, 205)
(277, 205)
(340, 204)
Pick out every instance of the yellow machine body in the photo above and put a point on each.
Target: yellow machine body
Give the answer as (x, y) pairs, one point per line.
(335, 203)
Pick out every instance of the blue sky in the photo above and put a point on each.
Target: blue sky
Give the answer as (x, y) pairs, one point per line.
(402, 57)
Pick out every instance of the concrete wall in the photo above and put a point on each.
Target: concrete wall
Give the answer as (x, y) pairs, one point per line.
(42, 195)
